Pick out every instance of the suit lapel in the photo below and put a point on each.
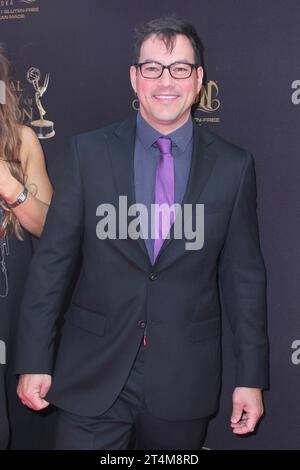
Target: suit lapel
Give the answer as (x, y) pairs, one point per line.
(202, 163)
(121, 149)
(122, 158)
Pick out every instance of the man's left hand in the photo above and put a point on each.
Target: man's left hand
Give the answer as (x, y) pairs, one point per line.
(247, 409)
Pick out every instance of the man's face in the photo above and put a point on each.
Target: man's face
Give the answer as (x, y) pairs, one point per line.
(165, 102)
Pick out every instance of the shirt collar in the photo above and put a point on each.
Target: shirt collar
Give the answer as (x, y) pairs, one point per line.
(148, 135)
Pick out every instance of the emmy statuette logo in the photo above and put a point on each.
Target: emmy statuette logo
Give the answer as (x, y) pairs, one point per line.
(43, 128)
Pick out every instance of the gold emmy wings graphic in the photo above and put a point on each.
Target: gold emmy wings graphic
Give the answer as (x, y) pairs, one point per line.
(43, 128)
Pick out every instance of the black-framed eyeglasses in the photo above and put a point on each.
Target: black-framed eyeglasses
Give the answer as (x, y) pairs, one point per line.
(178, 70)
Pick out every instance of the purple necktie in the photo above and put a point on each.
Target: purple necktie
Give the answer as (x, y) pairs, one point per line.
(164, 192)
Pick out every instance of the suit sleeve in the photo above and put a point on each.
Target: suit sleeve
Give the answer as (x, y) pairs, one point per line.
(242, 281)
(51, 269)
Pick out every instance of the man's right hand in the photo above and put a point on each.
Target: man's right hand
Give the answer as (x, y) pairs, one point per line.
(32, 389)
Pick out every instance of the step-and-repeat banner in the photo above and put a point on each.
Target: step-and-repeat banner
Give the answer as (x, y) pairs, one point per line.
(71, 64)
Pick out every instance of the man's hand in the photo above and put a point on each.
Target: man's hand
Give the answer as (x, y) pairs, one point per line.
(32, 388)
(247, 409)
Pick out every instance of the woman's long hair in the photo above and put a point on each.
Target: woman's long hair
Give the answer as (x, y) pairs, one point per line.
(10, 142)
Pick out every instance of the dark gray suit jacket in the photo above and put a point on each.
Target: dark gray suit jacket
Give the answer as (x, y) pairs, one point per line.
(180, 298)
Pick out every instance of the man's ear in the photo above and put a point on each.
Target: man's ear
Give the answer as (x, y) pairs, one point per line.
(133, 73)
(200, 74)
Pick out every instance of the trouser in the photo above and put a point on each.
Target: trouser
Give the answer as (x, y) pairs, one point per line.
(127, 424)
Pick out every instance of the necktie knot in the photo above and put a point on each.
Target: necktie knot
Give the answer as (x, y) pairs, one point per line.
(164, 144)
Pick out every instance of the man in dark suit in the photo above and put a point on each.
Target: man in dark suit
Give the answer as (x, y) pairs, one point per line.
(139, 358)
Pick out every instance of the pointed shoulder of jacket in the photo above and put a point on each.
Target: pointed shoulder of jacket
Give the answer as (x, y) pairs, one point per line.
(118, 127)
(219, 144)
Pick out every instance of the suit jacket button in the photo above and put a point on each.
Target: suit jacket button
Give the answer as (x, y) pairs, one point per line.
(141, 324)
(153, 276)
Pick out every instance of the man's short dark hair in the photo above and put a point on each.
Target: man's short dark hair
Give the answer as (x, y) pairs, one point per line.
(167, 28)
